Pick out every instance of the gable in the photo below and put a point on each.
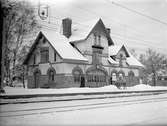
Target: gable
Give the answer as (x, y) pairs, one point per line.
(59, 43)
(31, 50)
(100, 28)
(115, 49)
(123, 51)
(82, 32)
(41, 43)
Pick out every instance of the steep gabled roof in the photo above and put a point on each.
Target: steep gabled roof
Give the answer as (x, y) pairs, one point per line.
(114, 49)
(83, 30)
(113, 61)
(60, 44)
(131, 60)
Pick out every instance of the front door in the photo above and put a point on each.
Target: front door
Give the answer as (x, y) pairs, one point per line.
(36, 79)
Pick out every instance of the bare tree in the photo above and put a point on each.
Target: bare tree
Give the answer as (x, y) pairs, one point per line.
(153, 62)
(20, 21)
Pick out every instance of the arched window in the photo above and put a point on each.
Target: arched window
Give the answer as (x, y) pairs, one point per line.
(121, 73)
(96, 74)
(51, 74)
(77, 73)
(77, 76)
(114, 75)
(131, 75)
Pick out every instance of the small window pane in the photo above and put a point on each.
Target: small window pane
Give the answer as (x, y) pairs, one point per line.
(44, 55)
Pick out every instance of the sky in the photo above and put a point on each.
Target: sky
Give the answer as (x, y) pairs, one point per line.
(127, 27)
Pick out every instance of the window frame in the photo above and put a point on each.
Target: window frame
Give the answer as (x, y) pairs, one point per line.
(51, 74)
(44, 55)
(55, 56)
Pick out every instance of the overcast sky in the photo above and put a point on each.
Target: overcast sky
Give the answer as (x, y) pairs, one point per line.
(127, 27)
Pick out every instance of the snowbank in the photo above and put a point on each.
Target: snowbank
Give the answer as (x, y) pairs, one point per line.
(110, 88)
(141, 87)
(20, 91)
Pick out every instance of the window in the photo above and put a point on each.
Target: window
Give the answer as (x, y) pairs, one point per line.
(44, 55)
(114, 77)
(51, 76)
(131, 76)
(77, 76)
(99, 40)
(120, 60)
(77, 73)
(95, 39)
(34, 59)
(55, 56)
(44, 40)
(96, 76)
(96, 57)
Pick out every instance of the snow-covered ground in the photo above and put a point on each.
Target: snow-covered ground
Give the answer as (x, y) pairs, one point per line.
(111, 88)
(153, 112)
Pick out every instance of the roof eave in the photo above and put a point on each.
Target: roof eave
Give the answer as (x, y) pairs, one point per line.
(25, 62)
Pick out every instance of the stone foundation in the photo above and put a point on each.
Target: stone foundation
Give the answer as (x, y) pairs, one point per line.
(64, 81)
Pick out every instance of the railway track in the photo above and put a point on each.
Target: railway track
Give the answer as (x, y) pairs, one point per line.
(66, 108)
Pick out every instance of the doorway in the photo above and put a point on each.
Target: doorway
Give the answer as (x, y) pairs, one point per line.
(37, 75)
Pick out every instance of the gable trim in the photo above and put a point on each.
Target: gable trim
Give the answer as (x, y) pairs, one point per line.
(34, 45)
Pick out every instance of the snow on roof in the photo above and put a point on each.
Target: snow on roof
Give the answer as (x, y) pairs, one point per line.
(62, 46)
(112, 61)
(132, 61)
(81, 31)
(114, 49)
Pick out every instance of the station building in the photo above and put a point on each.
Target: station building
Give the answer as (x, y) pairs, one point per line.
(62, 60)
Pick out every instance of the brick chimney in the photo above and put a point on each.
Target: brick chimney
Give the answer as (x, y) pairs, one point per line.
(108, 30)
(67, 22)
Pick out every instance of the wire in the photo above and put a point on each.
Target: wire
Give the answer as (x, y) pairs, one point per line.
(137, 42)
(139, 13)
(132, 37)
(129, 37)
(94, 13)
